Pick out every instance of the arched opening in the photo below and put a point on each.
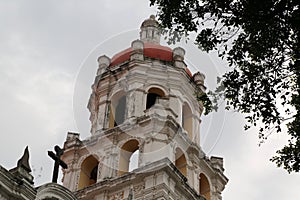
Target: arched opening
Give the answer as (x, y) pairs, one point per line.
(88, 172)
(152, 96)
(187, 120)
(117, 110)
(204, 187)
(129, 157)
(180, 161)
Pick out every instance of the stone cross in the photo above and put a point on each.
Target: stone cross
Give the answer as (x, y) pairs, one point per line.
(57, 161)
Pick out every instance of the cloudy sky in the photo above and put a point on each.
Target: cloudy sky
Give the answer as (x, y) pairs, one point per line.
(48, 52)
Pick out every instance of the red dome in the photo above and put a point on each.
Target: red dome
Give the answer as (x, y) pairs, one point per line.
(158, 52)
(150, 50)
(121, 57)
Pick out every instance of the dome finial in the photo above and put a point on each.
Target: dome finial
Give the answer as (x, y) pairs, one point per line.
(150, 30)
(152, 17)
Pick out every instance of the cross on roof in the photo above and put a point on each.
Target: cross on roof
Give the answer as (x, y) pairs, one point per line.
(57, 162)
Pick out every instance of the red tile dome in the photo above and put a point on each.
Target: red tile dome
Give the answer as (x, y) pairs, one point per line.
(150, 50)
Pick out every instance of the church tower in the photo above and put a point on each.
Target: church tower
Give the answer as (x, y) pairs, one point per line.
(143, 106)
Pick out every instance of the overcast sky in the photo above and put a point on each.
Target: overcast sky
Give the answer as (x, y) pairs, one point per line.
(48, 52)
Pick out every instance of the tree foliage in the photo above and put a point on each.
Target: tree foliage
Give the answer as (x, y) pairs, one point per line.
(260, 41)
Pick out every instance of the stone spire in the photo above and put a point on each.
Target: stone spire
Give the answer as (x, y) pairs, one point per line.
(23, 161)
(150, 31)
(22, 171)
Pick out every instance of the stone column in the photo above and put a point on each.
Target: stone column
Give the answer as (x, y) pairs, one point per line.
(196, 131)
(131, 104)
(176, 106)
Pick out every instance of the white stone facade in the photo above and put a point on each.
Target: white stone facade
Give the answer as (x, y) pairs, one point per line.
(143, 99)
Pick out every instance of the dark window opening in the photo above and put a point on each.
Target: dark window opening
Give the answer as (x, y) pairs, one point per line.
(151, 99)
(94, 173)
(152, 96)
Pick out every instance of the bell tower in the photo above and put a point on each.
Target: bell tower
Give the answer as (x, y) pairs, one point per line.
(143, 105)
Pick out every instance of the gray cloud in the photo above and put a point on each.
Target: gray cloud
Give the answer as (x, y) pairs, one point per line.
(43, 48)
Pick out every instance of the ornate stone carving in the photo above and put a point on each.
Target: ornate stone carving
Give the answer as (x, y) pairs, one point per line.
(138, 189)
(117, 196)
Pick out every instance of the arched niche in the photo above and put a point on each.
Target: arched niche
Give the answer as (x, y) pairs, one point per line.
(88, 172)
(153, 94)
(126, 152)
(180, 161)
(117, 109)
(204, 187)
(187, 120)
